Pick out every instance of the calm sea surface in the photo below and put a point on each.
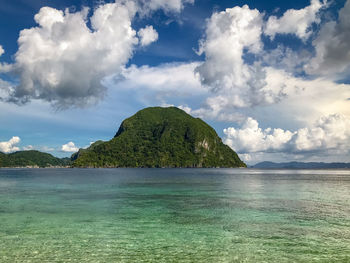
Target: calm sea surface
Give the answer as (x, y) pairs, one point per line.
(174, 215)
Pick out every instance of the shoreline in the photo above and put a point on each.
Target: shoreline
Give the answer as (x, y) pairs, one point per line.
(249, 168)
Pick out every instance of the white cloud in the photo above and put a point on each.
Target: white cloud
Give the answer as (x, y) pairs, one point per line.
(301, 99)
(332, 47)
(147, 35)
(328, 133)
(5, 87)
(268, 78)
(331, 132)
(38, 148)
(296, 22)
(212, 109)
(28, 148)
(172, 83)
(245, 157)
(46, 149)
(69, 147)
(4, 67)
(10, 146)
(62, 61)
(165, 77)
(230, 35)
(307, 99)
(175, 6)
(185, 108)
(283, 57)
(251, 138)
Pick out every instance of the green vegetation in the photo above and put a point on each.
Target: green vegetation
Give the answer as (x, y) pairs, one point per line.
(31, 159)
(160, 137)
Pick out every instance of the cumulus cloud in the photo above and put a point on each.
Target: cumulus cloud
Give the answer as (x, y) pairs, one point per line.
(242, 74)
(65, 57)
(228, 33)
(69, 147)
(10, 146)
(62, 61)
(328, 133)
(2, 51)
(307, 99)
(283, 57)
(296, 22)
(175, 6)
(231, 35)
(332, 47)
(251, 138)
(147, 35)
(301, 100)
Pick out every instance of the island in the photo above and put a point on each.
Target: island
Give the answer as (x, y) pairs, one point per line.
(32, 159)
(160, 137)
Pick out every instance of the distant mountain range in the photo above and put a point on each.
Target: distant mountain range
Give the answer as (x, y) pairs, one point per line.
(300, 165)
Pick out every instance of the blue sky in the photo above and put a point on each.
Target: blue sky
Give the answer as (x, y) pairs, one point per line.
(272, 77)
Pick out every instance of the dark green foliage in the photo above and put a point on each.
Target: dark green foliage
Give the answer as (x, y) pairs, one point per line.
(77, 154)
(31, 158)
(160, 137)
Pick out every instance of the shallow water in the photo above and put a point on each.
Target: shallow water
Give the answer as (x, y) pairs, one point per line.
(174, 215)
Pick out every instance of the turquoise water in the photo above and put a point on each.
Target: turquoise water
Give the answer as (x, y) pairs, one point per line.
(174, 215)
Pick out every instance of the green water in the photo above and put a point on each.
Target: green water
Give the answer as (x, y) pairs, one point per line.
(174, 215)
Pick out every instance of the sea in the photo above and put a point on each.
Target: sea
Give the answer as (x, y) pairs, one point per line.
(174, 215)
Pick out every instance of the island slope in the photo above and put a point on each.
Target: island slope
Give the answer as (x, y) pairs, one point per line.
(160, 137)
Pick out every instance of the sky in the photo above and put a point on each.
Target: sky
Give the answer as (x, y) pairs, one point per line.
(272, 77)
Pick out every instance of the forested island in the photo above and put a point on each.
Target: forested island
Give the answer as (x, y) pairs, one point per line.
(32, 159)
(160, 137)
(153, 137)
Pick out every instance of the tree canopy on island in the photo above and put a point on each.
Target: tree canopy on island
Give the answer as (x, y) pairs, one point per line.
(32, 159)
(160, 137)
